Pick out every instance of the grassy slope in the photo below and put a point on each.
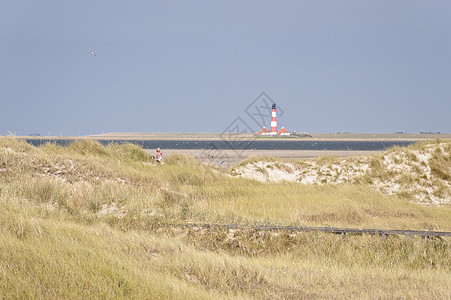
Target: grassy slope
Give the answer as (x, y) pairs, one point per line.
(420, 173)
(88, 228)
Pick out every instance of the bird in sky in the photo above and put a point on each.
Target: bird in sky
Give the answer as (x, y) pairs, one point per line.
(93, 52)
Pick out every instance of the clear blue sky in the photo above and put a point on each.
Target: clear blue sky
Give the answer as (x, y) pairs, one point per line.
(194, 66)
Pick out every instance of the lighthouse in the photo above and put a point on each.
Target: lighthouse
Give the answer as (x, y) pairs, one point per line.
(273, 132)
(273, 120)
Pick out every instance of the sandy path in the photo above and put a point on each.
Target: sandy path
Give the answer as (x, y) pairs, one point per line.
(231, 157)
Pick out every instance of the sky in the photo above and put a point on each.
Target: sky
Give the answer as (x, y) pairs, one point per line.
(196, 66)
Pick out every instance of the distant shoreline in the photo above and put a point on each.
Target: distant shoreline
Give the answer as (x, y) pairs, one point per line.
(248, 136)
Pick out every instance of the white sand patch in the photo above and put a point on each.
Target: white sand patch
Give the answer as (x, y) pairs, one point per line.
(402, 171)
(112, 209)
(263, 171)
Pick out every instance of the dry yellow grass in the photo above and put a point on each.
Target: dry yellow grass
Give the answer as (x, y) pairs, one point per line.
(85, 222)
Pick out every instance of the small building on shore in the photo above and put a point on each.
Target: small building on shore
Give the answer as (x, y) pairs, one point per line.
(283, 131)
(263, 131)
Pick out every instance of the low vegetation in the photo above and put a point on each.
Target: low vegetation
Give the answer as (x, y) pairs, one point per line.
(88, 221)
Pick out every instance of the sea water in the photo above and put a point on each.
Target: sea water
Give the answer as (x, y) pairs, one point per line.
(245, 144)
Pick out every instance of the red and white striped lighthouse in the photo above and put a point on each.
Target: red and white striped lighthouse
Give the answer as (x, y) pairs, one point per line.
(273, 120)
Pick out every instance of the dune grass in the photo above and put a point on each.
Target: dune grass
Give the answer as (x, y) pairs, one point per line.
(121, 183)
(45, 254)
(342, 206)
(86, 221)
